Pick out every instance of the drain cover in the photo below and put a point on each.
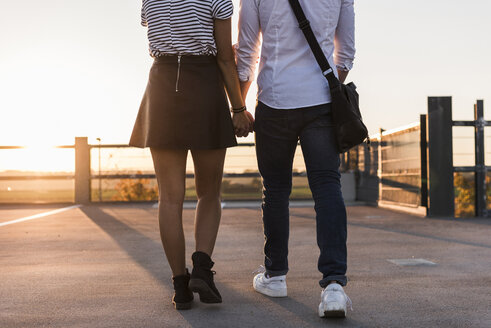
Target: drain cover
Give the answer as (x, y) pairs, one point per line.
(412, 262)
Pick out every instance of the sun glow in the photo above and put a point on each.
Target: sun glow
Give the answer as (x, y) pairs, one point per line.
(38, 158)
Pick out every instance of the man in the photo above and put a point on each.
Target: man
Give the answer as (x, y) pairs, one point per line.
(294, 105)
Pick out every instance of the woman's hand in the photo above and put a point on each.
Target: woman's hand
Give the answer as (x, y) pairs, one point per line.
(243, 123)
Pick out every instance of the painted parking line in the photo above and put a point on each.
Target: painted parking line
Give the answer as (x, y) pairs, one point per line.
(412, 262)
(41, 215)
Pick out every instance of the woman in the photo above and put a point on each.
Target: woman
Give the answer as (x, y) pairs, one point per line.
(185, 108)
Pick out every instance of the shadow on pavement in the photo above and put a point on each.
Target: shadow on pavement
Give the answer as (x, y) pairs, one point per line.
(139, 247)
(302, 310)
(413, 233)
(241, 307)
(422, 235)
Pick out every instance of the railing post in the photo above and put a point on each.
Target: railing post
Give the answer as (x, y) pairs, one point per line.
(424, 161)
(380, 166)
(82, 170)
(480, 173)
(440, 157)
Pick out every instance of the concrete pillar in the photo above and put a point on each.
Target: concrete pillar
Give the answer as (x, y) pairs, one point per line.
(82, 170)
(441, 200)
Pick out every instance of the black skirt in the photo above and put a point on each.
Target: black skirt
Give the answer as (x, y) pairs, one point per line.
(184, 106)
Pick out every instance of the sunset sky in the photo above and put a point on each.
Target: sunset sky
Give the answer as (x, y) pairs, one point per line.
(79, 68)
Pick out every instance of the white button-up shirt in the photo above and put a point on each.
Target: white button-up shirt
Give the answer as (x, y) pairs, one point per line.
(289, 77)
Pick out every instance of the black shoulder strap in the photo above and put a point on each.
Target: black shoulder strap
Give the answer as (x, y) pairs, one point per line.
(304, 25)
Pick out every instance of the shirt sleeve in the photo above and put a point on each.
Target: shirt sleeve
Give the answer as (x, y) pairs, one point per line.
(143, 17)
(222, 9)
(344, 41)
(247, 49)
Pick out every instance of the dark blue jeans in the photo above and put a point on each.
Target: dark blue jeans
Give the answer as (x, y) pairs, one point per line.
(277, 132)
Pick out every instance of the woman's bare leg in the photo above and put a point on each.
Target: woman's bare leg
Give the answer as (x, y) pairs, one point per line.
(208, 166)
(170, 168)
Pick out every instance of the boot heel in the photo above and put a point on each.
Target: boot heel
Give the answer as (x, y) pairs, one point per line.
(183, 297)
(206, 294)
(182, 306)
(202, 279)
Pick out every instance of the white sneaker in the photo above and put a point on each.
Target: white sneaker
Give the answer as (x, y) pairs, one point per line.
(334, 302)
(272, 287)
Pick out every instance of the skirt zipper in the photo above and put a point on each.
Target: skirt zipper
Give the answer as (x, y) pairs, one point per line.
(178, 72)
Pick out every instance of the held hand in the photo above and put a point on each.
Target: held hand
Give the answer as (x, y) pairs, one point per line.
(241, 123)
(251, 121)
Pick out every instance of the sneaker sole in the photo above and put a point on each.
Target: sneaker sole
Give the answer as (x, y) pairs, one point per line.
(334, 314)
(206, 294)
(271, 293)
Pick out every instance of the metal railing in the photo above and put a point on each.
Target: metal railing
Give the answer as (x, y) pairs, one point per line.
(413, 165)
(390, 170)
(85, 172)
(479, 169)
(400, 165)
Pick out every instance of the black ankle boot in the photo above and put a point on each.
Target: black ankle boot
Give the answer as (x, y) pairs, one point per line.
(202, 279)
(183, 296)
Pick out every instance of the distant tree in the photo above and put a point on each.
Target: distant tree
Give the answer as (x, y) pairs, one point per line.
(135, 190)
(464, 195)
(229, 187)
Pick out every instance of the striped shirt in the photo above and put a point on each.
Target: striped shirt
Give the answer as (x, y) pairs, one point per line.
(183, 27)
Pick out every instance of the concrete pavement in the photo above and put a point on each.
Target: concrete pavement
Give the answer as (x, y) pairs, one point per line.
(103, 266)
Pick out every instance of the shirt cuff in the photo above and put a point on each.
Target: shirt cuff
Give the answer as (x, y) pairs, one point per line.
(345, 65)
(245, 77)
